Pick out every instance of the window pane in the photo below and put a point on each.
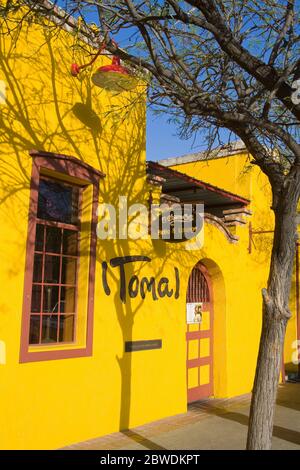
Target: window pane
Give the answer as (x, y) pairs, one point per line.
(50, 299)
(39, 237)
(49, 328)
(53, 239)
(70, 239)
(51, 273)
(36, 299)
(67, 300)
(34, 332)
(66, 328)
(58, 202)
(68, 275)
(37, 269)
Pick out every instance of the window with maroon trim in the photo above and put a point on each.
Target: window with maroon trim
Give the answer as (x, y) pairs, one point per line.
(56, 258)
(59, 280)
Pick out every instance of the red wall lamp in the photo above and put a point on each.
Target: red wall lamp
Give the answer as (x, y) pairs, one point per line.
(112, 77)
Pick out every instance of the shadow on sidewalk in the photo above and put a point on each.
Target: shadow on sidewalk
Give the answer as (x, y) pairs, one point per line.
(278, 431)
(134, 436)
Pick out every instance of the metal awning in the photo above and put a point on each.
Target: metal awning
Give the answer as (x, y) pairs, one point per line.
(192, 190)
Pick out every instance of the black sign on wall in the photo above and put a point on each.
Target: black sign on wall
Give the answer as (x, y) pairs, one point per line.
(144, 345)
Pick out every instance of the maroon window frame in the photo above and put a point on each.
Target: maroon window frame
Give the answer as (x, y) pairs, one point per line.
(53, 312)
(68, 170)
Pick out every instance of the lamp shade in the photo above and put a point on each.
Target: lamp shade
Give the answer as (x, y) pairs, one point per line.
(114, 77)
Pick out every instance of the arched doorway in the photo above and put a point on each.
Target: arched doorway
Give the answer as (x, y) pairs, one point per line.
(199, 336)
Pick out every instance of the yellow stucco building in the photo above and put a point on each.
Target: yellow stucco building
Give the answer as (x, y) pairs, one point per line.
(93, 332)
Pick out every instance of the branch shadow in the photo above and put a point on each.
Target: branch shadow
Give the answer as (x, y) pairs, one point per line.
(280, 432)
(139, 439)
(47, 109)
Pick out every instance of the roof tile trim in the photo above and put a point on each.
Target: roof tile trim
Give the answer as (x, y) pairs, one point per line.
(219, 152)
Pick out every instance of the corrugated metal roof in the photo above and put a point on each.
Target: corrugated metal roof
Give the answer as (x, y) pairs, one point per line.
(189, 189)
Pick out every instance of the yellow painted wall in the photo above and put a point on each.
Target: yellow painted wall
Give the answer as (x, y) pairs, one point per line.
(53, 403)
(235, 173)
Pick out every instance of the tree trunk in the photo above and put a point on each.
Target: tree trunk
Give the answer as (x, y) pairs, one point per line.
(266, 381)
(275, 318)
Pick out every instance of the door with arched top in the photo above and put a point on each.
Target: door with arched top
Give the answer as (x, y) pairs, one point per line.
(199, 336)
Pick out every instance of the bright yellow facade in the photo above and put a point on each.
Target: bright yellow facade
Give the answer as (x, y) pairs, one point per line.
(235, 173)
(53, 403)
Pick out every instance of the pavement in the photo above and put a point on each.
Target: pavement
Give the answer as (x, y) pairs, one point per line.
(208, 425)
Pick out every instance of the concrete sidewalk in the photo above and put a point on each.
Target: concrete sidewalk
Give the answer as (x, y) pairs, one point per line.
(210, 424)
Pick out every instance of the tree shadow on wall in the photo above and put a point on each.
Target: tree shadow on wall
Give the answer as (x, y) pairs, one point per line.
(47, 109)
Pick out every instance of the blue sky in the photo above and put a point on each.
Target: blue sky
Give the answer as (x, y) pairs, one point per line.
(162, 141)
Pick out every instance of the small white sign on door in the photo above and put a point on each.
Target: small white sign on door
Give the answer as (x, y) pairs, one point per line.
(194, 312)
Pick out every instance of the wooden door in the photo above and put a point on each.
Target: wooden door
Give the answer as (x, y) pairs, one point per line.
(199, 336)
